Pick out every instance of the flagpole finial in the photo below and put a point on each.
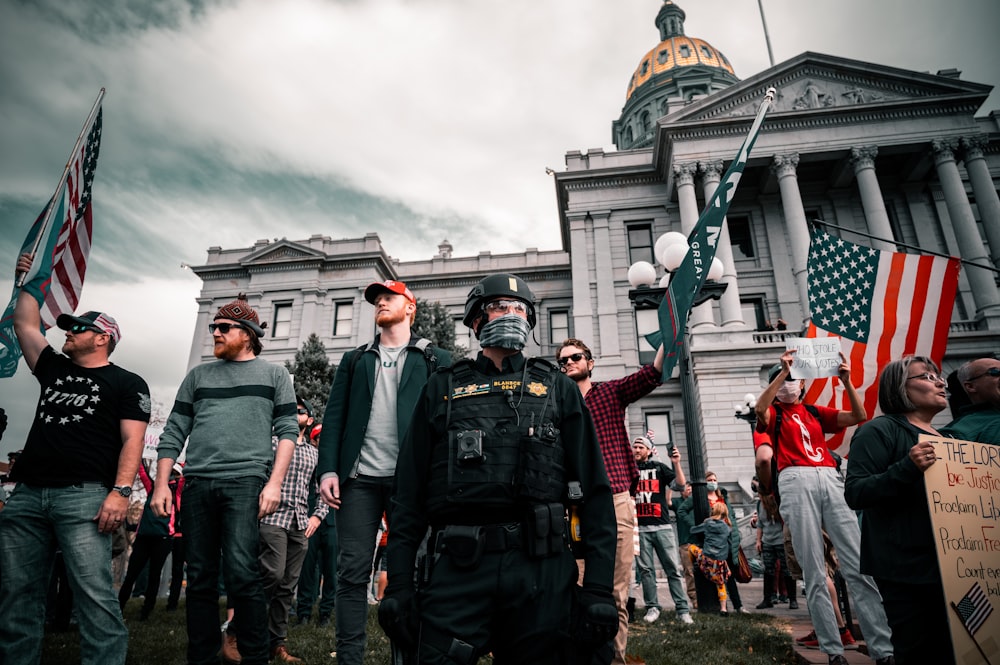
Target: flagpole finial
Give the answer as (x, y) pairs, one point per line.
(769, 95)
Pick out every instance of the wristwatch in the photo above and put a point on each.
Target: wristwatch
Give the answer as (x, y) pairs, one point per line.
(124, 490)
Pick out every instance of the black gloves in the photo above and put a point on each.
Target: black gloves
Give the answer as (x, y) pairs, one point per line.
(598, 615)
(397, 614)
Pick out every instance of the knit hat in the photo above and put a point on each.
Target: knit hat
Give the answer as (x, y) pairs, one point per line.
(644, 441)
(240, 310)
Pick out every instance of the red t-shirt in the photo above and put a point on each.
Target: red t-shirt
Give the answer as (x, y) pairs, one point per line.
(802, 442)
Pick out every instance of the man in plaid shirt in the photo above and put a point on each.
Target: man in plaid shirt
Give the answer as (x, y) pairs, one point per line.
(607, 401)
(284, 535)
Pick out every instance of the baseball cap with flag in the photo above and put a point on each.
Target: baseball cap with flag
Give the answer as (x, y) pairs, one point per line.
(99, 320)
(388, 286)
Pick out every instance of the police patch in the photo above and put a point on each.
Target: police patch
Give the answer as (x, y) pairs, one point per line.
(538, 389)
(471, 389)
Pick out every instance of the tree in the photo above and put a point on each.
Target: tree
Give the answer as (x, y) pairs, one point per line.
(313, 374)
(435, 323)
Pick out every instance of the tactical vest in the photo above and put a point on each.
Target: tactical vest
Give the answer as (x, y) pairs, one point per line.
(502, 446)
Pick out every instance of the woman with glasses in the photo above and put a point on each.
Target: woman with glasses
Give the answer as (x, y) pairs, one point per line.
(885, 479)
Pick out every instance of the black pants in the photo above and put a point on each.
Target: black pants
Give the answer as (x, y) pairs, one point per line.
(146, 549)
(510, 604)
(918, 617)
(176, 571)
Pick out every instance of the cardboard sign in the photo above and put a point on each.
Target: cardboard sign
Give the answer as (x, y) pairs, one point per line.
(963, 493)
(815, 358)
(151, 441)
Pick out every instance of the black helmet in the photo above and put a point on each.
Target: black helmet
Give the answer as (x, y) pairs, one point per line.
(501, 285)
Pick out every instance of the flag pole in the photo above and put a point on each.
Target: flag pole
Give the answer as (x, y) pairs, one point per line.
(820, 222)
(50, 210)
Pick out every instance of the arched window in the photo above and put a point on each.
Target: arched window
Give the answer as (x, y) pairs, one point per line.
(644, 121)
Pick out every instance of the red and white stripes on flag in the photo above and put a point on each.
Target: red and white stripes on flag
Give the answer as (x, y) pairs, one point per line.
(883, 305)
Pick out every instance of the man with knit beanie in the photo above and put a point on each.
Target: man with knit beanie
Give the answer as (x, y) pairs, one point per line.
(227, 411)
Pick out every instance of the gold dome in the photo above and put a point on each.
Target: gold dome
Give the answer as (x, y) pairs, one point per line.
(674, 53)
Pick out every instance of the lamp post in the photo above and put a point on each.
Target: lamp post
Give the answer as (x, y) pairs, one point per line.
(670, 249)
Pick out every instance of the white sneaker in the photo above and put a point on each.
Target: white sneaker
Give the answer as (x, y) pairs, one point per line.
(652, 614)
(685, 618)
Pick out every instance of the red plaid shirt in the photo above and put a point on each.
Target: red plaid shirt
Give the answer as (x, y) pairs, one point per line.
(607, 402)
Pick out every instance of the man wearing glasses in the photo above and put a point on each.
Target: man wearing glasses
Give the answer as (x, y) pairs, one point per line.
(74, 478)
(226, 411)
(499, 446)
(980, 421)
(607, 402)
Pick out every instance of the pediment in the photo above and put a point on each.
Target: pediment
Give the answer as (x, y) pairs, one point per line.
(281, 251)
(814, 82)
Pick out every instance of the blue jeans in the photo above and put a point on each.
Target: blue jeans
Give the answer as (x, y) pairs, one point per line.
(812, 500)
(663, 544)
(221, 516)
(364, 499)
(35, 522)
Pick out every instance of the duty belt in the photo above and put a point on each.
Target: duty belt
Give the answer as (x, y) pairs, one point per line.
(466, 544)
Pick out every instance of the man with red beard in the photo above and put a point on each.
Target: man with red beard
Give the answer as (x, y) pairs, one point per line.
(371, 403)
(227, 411)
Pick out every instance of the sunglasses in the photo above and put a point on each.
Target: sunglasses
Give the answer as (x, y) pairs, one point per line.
(223, 328)
(575, 357)
(303, 412)
(992, 371)
(78, 328)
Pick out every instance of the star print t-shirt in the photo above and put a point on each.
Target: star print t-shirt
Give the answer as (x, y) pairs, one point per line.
(76, 434)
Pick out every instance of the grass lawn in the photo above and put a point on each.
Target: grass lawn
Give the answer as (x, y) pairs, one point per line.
(749, 639)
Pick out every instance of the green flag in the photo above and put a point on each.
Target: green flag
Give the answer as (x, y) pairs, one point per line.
(688, 279)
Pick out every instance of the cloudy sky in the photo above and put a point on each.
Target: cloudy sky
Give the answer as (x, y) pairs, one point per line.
(233, 120)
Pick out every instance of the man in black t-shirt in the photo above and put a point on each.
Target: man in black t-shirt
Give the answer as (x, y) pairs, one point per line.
(74, 479)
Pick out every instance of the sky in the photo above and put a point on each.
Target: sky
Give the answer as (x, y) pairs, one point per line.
(421, 120)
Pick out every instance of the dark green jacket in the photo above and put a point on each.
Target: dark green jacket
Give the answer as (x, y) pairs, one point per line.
(685, 514)
(897, 540)
(349, 407)
(977, 422)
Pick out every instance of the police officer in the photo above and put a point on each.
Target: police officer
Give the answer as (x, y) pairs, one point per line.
(499, 448)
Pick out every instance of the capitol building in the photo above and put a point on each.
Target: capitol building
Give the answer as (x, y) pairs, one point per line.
(896, 154)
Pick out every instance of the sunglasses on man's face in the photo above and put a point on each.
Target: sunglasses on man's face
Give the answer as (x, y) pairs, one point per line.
(78, 328)
(223, 328)
(575, 357)
(303, 412)
(992, 371)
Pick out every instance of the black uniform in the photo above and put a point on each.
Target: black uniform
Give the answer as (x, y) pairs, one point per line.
(486, 466)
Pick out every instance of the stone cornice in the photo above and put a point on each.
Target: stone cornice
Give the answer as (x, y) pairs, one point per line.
(612, 182)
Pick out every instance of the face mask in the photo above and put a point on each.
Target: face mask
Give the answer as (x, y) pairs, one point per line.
(789, 392)
(712, 485)
(510, 331)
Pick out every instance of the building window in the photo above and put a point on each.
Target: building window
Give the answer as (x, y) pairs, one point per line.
(705, 52)
(659, 424)
(685, 51)
(646, 321)
(741, 237)
(645, 68)
(558, 327)
(628, 137)
(343, 318)
(282, 320)
(640, 243)
(663, 57)
(754, 312)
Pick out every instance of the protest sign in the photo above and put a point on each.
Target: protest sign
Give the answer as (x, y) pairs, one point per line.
(963, 494)
(815, 358)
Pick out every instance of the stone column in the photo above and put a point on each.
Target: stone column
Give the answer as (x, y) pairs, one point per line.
(984, 288)
(607, 304)
(312, 307)
(199, 343)
(784, 167)
(687, 200)
(583, 321)
(863, 161)
(729, 304)
(984, 190)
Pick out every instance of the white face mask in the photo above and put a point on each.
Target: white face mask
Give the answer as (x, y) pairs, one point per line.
(789, 392)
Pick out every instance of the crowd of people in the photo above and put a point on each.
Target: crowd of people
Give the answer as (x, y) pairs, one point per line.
(508, 508)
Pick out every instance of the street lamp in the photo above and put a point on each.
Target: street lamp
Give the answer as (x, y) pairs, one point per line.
(745, 410)
(670, 249)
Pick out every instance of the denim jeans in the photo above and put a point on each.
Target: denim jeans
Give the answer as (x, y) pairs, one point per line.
(221, 516)
(661, 544)
(363, 501)
(35, 522)
(812, 500)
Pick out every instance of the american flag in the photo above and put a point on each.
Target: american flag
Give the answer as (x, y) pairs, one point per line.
(883, 305)
(974, 608)
(56, 277)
